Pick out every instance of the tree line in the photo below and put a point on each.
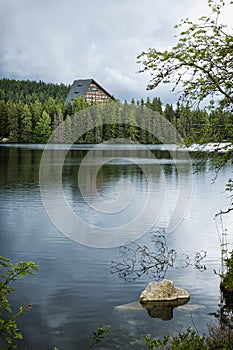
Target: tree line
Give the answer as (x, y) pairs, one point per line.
(30, 111)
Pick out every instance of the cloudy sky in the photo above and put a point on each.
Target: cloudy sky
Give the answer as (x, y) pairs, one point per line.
(59, 41)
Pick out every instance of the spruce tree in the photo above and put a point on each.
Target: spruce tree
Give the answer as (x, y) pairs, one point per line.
(42, 129)
(13, 122)
(3, 119)
(68, 128)
(26, 125)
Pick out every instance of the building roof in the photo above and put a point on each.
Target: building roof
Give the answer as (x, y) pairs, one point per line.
(80, 87)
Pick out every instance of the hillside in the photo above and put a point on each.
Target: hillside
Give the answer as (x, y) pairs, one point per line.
(27, 91)
(30, 111)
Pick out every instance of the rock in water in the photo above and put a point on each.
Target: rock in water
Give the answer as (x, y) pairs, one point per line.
(163, 291)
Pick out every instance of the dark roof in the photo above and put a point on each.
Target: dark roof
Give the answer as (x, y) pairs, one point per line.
(80, 87)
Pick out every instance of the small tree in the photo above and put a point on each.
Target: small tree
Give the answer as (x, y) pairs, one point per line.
(26, 125)
(227, 278)
(9, 272)
(201, 60)
(36, 109)
(79, 104)
(13, 122)
(42, 129)
(68, 129)
(201, 66)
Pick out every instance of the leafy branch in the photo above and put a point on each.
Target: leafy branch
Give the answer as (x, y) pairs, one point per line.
(97, 336)
(201, 61)
(9, 272)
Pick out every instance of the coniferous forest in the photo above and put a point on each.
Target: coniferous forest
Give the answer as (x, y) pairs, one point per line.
(30, 111)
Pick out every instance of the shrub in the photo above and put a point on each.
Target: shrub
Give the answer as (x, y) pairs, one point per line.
(9, 272)
(221, 338)
(183, 341)
(227, 278)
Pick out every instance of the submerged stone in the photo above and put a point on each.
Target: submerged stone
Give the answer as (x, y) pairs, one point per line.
(135, 306)
(191, 307)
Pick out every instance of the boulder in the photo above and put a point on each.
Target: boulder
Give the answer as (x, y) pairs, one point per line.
(163, 291)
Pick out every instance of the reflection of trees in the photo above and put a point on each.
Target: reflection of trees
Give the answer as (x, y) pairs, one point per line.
(19, 166)
(163, 309)
(223, 331)
(225, 317)
(225, 313)
(136, 260)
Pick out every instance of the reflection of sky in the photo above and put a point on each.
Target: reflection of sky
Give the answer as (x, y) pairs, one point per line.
(117, 200)
(74, 290)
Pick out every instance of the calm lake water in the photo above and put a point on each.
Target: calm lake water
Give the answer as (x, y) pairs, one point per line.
(81, 284)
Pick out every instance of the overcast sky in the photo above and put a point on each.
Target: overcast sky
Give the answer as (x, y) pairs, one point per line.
(59, 41)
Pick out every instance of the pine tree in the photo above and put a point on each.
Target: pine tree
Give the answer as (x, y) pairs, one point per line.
(68, 128)
(142, 124)
(89, 134)
(42, 129)
(79, 104)
(51, 108)
(156, 105)
(3, 119)
(36, 109)
(96, 116)
(26, 125)
(184, 123)
(169, 112)
(111, 127)
(59, 128)
(13, 122)
(130, 122)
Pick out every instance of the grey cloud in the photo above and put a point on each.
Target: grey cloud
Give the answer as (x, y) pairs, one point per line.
(59, 41)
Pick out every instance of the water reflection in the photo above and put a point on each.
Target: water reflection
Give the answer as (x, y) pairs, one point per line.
(19, 166)
(225, 310)
(153, 260)
(22, 163)
(75, 290)
(122, 192)
(163, 309)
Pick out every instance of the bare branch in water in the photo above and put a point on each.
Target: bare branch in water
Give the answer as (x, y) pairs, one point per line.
(136, 260)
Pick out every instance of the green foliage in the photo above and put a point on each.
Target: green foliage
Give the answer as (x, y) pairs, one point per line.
(183, 341)
(156, 343)
(79, 104)
(201, 60)
(97, 336)
(220, 338)
(9, 272)
(200, 65)
(28, 91)
(25, 122)
(26, 125)
(189, 340)
(22, 104)
(68, 129)
(42, 129)
(227, 278)
(3, 119)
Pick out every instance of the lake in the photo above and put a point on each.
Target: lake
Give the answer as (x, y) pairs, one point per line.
(148, 200)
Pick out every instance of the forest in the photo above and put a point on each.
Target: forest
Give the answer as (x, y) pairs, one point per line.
(30, 111)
